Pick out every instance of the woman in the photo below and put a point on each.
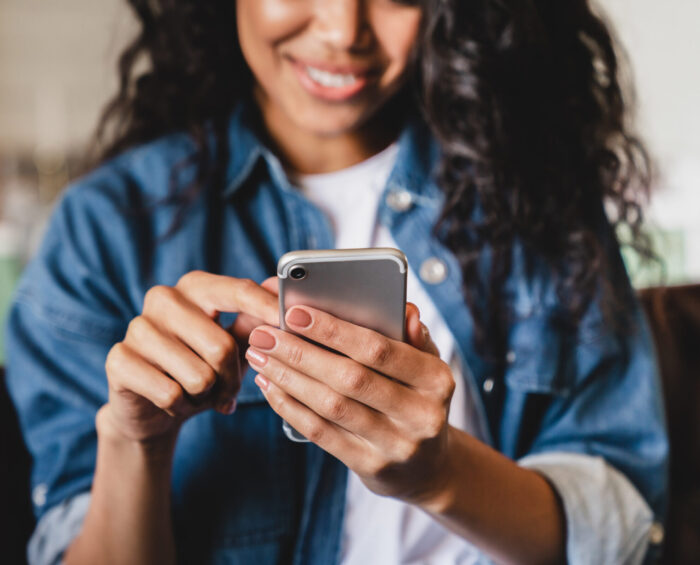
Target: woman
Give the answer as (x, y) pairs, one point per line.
(479, 137)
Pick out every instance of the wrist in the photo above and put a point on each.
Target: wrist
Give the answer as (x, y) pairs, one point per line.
(158, 448)
(441, 495)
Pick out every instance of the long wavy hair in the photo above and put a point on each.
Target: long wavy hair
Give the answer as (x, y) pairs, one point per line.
(524, 97)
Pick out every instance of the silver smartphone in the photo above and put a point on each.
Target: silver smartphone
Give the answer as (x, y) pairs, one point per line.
(364, 286)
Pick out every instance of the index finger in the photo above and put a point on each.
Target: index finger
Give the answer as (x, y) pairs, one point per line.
(220, 293)
(390, 357)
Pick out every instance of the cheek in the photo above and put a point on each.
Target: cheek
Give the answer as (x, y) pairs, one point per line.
(271, 21)
(397, 36)
(262, 26)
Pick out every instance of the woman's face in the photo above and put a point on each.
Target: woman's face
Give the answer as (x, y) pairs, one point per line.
(326, 66)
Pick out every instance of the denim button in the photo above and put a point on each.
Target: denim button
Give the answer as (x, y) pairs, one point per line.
(510, 357)
(488, 385)
(656, 533)
(39, 494)
(433, 271)
(399, 200)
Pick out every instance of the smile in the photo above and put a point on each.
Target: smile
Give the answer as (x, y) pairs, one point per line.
(333, 80)
(330, 84)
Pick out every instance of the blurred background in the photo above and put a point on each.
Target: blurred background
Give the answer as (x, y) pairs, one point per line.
(57, 69)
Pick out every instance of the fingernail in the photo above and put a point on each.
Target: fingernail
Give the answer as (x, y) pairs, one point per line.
(228, 407)
(262, 382)
(299, 318)
(255, 357)
(262, 339)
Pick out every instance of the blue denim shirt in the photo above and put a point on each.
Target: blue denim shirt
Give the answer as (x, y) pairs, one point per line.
(242, 492)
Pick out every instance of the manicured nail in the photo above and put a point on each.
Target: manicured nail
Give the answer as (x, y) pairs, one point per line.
(255, 357)
(299, 318)
(424, 331)
(262, 339)
(228, 407)
(262, 382)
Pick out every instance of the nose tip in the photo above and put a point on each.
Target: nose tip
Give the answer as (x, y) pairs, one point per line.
(343, 24)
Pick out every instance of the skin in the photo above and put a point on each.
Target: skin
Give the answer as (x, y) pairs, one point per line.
(176, 361)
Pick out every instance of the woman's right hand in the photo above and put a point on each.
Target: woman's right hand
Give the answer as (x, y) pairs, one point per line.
(176, 360)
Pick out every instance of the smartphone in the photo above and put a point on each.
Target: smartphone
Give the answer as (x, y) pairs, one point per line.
(366, 287)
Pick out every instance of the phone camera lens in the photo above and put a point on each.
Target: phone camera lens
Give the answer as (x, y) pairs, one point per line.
(297, 273)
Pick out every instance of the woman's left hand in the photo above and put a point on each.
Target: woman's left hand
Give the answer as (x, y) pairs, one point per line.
(381, 407)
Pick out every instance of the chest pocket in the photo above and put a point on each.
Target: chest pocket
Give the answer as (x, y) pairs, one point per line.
(538, 357)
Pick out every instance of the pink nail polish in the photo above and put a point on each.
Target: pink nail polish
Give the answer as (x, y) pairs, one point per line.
(262, 382)
(262, 339)
(299, 318)
(255, 357)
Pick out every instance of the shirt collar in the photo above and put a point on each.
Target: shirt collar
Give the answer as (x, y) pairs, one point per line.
(415, 162)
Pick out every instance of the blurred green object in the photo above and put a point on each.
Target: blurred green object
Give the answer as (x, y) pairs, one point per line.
(669, 245)
(10, 269)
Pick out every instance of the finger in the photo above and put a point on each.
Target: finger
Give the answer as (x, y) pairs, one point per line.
(174, 314)
(128, 372)
(326, 402)
(393, 358)
(417, 332)
(244, 324)
(328, 436)
(171, 356)
(218, 293)
(271, 284)
(347, 377)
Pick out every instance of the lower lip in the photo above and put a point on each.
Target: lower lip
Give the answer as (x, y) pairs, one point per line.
(331, 93)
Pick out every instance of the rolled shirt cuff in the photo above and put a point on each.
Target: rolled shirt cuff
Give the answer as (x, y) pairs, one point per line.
(56, 530)
(607, 519)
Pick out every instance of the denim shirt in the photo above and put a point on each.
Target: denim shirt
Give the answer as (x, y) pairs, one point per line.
(243, 493)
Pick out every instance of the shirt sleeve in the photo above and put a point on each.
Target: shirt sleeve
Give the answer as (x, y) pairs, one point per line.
(67, 312)
(56, 530)
(607, 519)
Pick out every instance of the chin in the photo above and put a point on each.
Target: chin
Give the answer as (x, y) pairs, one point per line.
(329, 126)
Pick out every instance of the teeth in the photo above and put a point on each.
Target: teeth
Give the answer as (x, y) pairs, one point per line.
(330, 79)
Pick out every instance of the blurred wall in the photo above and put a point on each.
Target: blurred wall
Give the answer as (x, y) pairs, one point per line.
(661, 37)
(57, 68)
(57, 63)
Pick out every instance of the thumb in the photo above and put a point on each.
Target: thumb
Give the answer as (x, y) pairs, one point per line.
(417, 333)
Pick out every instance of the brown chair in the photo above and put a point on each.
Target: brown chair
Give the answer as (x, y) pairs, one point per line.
(674, 314)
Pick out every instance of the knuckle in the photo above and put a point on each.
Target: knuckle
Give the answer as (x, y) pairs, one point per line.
(157, 295)
(433, 423)
(189, 278)
(204, 379)
(244, 288)
(378, 351)
(138, 328)
(356, 380)
(295, 355)
(335, 408)
(447, 385)
(406, 451)
(169, 397)
(284, 377)
(315, 432)
(329, 331)
(115, 358)
(221, 351)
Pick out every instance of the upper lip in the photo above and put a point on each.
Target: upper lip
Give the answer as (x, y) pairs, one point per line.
(349, 69)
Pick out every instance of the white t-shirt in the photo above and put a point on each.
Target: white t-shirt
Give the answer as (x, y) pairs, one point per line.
(381, 530)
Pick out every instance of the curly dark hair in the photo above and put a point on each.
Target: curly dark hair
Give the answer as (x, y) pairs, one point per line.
(524, 97)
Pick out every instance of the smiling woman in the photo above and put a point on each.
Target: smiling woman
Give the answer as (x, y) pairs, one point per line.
(322, 72)
(520, 420)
